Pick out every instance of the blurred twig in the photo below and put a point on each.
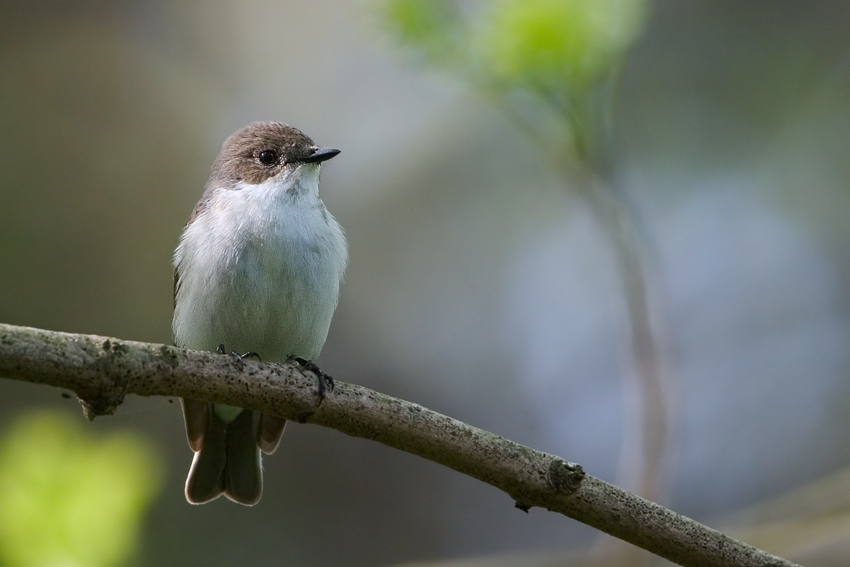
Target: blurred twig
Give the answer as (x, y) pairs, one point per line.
(102, 370)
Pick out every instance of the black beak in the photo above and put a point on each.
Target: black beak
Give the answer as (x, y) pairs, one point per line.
(321, 154)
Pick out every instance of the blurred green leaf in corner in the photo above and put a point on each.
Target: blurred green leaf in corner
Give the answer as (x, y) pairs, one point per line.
(555, 52)
(71, 497)
(552, 45)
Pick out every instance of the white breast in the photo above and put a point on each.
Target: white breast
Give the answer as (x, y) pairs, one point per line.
(259, 270)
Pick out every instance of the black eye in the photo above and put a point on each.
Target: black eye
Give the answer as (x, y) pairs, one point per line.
(268, 157)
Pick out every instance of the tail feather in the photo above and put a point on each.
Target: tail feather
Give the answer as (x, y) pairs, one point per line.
(243, 477)
(197, 417)
(227, 455)
(205, 477)
(269, 431)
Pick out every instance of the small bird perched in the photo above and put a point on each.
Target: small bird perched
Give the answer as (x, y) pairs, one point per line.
(258, 269)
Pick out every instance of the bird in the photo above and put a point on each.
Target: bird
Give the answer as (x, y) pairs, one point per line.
(257, 269)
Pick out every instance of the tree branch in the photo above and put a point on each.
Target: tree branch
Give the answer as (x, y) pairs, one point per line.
(101, 371)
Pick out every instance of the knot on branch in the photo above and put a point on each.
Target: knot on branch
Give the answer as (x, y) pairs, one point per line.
(108, 394)
(564, 477)
(100, 405)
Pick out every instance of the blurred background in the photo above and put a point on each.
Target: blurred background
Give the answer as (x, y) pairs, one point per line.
(648, 275)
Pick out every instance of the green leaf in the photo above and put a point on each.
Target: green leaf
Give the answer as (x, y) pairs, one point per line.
(556, 44)
(427, 25)
(71, 497)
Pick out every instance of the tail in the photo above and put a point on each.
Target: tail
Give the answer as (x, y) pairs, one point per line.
(227, 453)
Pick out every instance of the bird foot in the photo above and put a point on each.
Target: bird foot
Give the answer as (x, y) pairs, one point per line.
(325, 382)
(238, 357)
